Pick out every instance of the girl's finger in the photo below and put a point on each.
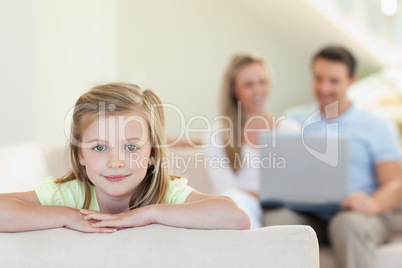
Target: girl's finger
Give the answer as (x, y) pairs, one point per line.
(87, 211)
(88, 218)
(106, 230)
(98, 216)
(92, 217)
(108, 223)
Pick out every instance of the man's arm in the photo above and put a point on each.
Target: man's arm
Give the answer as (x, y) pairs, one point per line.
(387, 197)
(389, 193)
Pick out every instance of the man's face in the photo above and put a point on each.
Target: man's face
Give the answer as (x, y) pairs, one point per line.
(330, 81)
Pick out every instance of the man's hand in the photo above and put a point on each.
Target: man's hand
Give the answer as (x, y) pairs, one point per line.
(361, 202)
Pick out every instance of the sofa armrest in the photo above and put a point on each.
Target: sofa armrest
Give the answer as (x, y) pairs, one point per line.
(162, 246)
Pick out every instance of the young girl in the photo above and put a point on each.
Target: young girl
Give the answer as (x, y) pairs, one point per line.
(119, 177)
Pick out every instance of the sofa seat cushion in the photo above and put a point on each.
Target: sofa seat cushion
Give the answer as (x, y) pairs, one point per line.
(389, 255)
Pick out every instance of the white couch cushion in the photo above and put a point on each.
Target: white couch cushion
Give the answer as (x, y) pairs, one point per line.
(389, 255)
(162, 246)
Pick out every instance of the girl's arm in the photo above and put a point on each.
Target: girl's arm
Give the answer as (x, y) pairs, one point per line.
(23, 212)
(200, 211)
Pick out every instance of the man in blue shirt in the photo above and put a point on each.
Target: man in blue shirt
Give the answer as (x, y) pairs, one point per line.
(375, 185)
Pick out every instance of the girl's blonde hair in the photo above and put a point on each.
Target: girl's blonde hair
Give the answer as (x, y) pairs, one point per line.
(229, 106)
(115, 99)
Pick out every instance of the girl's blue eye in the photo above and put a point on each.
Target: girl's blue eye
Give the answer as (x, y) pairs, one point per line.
(131, 147)
(99, 148)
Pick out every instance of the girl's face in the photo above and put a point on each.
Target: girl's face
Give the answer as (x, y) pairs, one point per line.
(116, 153)
(251, 87)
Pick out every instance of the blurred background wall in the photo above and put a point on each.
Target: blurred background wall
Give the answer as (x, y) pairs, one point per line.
(52, 51)
(16, 71)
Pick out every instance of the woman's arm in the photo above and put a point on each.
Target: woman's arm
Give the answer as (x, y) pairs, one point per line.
(23, 212)
(200, 211)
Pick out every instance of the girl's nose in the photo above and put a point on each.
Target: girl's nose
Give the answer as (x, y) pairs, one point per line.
(116, 163)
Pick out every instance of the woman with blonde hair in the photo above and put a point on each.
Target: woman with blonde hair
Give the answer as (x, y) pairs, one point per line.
(244, 92)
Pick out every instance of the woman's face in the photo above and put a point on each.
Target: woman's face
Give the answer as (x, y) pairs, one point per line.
(251, 87)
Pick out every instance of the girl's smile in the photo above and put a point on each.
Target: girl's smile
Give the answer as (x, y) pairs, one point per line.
(116, 178)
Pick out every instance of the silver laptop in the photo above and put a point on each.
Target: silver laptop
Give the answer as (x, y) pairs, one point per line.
(306, 173)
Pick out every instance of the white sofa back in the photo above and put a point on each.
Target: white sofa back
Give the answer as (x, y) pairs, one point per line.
(23, 166)
(162, 246)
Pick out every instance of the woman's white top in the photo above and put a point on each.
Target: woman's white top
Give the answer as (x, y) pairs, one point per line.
(248, 177)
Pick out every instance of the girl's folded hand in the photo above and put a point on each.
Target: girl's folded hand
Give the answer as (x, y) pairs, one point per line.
(132, 218)
(76, 222)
